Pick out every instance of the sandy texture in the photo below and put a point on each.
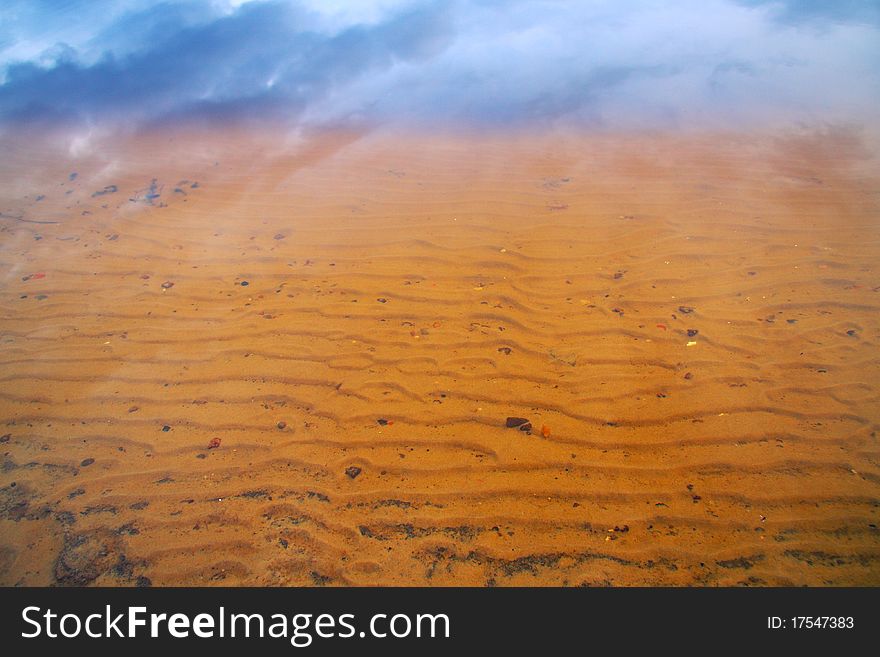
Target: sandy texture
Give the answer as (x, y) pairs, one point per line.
(689, 322)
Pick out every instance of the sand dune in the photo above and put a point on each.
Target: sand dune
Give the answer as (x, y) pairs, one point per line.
(689, 323)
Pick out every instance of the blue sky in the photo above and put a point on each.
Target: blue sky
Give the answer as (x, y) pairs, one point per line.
(717, 63)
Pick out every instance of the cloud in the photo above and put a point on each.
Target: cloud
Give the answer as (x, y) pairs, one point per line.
(261, 57)
(820, 13)
(479, 61)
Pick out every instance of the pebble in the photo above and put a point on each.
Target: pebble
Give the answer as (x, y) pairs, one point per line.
(87, 462)
(244, 283)
(692, 332)
(353, 471)
(214, 443)
(166, 428)
(282, 425)
(167, 285)
(513, 422)
(687, 310)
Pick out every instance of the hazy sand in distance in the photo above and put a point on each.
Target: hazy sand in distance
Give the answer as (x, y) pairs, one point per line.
(689, 323)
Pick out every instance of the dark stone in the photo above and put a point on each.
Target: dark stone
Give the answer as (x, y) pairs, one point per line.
(692, 332)
(166, 428)
(244, 283)
(353, 471)
(686, 310)
(167, 285)
(319, 579)
(86, 556)
(109, 189)
(282, 425)
(513, 422)
(128, 529)
(382, 421)
(255, 494)
(87, 462)
(742, 562)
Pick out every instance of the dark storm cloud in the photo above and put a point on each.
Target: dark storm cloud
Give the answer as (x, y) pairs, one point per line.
(262, 57)
(603, 62)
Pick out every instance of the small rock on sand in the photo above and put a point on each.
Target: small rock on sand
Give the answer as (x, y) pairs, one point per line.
(352, 471)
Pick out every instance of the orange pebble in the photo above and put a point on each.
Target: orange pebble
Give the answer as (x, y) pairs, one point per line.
(661, 326)
(545, 431)
(214, 444)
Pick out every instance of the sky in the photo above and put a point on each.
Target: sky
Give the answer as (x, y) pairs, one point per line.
(605, 63)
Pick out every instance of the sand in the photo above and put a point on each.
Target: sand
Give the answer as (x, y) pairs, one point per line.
(688, 321)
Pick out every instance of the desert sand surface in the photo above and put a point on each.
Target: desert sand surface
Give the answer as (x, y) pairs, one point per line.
(251, 357)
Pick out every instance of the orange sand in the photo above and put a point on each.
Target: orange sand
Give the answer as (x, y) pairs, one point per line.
(539, 276)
